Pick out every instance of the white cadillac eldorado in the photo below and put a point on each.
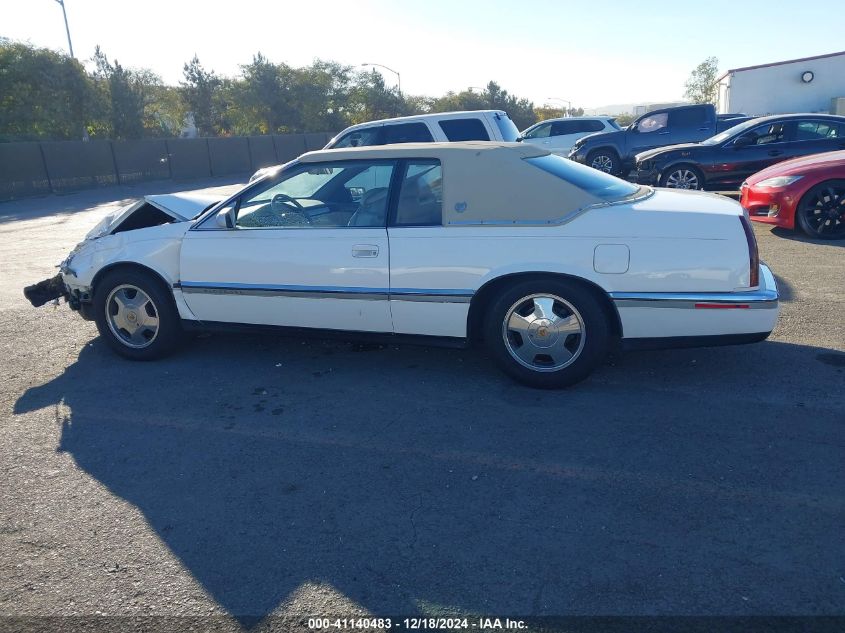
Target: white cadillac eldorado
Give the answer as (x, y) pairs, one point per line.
(551, 264)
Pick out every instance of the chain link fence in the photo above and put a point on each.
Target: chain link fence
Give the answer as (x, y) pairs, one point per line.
(39, 168)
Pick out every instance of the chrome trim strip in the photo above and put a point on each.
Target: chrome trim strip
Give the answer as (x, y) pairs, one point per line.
(765, 298)
(442, 295)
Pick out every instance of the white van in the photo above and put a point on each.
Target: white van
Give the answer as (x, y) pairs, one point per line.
(477, 125)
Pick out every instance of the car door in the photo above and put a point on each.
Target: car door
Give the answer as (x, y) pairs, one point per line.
(651, 131)
(563, 136)
(305, 248)
(423, 299)
(755, 149)
(538, 135)
(691, 125)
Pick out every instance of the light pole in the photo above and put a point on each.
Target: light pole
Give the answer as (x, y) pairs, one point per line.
(566, 101)
(67, 28)
(398, 78)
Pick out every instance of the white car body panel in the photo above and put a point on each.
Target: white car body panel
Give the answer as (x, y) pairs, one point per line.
(656, 258)
(561, 144)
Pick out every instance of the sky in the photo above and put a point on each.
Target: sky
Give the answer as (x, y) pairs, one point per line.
(588, 53)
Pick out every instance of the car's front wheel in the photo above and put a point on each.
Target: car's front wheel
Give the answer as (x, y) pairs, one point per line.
(135, 314)
(821, 212)
(682, 177)
(547, 333)
(604, 160)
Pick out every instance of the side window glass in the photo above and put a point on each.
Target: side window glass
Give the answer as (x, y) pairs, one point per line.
(407, 133)
(767, 134)
(421, 195)
(320, 195)
(541, 131)
(464, 130)
(360, 138)
(815, 130)
(688, 117)
(561, 128)
(592, 126)
(653, 123)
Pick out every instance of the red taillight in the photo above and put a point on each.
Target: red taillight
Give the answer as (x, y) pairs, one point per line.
(753, 253)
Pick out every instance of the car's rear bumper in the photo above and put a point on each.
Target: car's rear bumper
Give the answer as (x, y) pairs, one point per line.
(676, 315)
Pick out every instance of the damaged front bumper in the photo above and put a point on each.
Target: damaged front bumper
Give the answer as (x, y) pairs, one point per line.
(53, 289)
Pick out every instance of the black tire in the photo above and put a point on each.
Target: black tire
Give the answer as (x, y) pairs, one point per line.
(678, 173)
(168, 331)
(605, 160)
(821, 211)
(589, 347)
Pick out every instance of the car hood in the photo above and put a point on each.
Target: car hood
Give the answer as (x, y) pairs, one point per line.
(180, 207)
(662, 151)
(802, 165)
(600, 137)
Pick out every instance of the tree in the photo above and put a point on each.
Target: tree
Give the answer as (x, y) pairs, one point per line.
(521, 111)
(43, 94)
(701, 85)
(200, 92)
(133, 99)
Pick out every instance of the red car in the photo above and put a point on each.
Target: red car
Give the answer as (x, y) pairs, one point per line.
(806, 193)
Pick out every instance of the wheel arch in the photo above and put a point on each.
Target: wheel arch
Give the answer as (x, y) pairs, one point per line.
(796, 223)
(486, 295)
(130, 265)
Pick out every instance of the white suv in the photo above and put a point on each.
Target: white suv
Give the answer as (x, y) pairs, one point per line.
(478, 125)
(474, 125)
(559, 135)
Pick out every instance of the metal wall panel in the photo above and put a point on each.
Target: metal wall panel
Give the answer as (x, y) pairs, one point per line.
(75, 165)
(139, 161)
(316, 141)
(22, 171)
(188, 158)
(289, 146)
(262, 152)
(229, 155)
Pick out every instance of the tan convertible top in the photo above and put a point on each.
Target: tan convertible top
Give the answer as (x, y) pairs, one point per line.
(483, 181)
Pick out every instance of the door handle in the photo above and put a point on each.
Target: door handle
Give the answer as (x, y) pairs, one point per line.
(365, 250)
(704, 129)
(662, 133)
(775, 152)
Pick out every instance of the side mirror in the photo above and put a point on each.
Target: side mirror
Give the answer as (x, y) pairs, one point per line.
(223, 219)
(743, 141)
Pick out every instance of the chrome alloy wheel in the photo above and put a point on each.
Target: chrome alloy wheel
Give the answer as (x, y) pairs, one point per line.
(543, 332)
(132, 316)
(602, 162)
(682, 179)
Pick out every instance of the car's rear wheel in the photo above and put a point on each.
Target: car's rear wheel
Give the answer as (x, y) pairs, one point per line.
(547, 333)
(821, 212)
(135, 315)
(682, 177)
(604, 160)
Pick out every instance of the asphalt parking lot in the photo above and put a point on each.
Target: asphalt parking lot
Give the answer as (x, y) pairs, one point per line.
(256, 475)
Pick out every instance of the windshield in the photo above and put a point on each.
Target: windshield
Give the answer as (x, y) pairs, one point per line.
(591, 180)
(730, 132)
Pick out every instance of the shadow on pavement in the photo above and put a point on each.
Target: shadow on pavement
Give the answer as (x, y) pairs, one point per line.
(407, 477)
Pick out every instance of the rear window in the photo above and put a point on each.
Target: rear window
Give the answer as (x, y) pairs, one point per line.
(464, 130)
(614, 124)
(591, 180)
(506, 127)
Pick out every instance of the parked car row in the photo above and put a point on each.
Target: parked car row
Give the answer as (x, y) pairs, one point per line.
(680, 147)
